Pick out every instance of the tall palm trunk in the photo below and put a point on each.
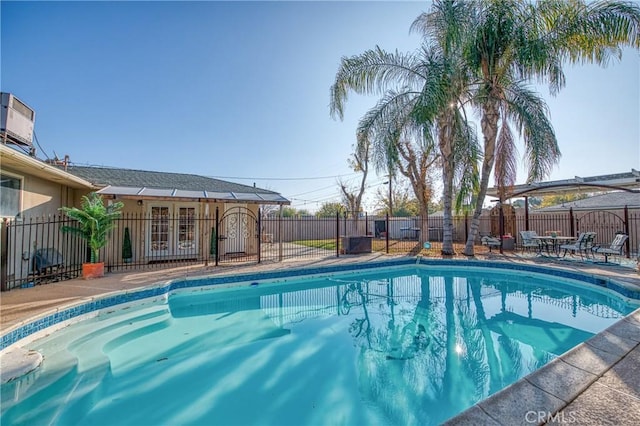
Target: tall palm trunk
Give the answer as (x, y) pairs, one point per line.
(447, 232)
(424, 224)
(489, 124)
(447, 171)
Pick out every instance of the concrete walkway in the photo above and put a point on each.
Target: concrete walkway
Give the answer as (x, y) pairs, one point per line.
(596, 383)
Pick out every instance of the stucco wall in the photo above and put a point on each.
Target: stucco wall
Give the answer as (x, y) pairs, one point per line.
(41, 197)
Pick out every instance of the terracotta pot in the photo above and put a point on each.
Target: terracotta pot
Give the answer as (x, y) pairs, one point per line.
(92, 270)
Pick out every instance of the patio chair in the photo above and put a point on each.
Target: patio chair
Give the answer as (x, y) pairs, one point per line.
(490, 242)
(582, 245)
(528, 242)
(48, 263)
(615, 248)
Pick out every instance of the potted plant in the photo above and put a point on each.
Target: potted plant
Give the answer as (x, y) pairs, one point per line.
(95, 220)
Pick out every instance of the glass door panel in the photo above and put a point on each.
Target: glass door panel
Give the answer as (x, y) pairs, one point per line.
(186, 230)
(160, 231)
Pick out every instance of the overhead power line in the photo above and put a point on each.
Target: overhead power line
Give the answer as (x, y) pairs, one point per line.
(283, 178)
(39, 146)
(333, 196)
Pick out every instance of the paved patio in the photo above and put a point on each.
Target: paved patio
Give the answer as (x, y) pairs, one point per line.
(596, 383)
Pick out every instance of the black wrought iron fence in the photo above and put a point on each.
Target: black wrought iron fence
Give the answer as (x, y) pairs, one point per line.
(605, 223)
(299, 237)
(35, 251)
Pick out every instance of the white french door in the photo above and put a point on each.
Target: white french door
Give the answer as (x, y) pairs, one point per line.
(172, 230)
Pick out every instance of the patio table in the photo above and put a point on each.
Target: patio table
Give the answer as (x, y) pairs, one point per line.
(551, 241)
(410, 233)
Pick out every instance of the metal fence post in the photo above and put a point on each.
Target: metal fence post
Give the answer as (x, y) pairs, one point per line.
(387, 235)
(501, 226)
(217, 237)
(206, 233)
(280, 253)
(259, 233)
(366, 223)
(626, 231)
(526, 213)
(337, 234)
(571, 225)
(4, 254)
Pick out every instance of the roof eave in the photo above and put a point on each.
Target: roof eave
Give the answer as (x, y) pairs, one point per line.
(23, 163)
(200, 196)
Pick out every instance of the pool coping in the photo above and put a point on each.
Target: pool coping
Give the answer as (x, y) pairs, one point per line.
(546, 394)
(536, 398)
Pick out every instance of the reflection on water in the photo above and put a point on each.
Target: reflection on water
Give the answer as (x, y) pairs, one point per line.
(412, 346)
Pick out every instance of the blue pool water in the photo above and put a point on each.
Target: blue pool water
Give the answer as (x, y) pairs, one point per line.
(396, 346)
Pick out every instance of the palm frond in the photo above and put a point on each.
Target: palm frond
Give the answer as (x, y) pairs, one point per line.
(590, 32)
(466, 158)
(506, 166)
(530, 114)
(372, 73)
(383, 125)
(445, 25)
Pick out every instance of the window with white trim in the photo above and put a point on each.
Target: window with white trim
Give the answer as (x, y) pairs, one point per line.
(10, 195)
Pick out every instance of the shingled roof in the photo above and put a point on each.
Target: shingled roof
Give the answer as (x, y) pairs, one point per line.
(611, 200)
(143, 183)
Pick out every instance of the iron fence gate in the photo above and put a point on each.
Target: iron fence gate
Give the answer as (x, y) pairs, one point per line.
(237, 235)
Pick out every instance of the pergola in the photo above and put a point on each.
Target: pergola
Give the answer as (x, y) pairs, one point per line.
(626, 181)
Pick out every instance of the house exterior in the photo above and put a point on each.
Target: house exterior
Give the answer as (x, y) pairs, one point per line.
(166, 216)
(182, 210)
(31, 187)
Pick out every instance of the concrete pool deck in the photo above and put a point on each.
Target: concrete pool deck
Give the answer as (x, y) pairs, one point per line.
(597, 382)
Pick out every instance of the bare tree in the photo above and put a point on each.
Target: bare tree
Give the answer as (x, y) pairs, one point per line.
(359, 162)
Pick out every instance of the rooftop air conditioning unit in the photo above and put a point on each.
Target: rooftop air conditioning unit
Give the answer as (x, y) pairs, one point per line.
(16, 123)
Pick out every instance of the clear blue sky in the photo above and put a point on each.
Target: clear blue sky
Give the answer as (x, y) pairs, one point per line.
(241, 89)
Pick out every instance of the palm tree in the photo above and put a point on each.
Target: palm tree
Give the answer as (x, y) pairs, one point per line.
(414, 111)
(512, 41)
(483, 54)
(442, 27)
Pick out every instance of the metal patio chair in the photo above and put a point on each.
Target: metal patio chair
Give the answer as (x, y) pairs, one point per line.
(614, 249)
(528, 242)
(490, 242)
(48, 264)
(582, 245)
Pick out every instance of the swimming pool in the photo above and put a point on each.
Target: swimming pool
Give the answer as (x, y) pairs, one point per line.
(399, 343)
